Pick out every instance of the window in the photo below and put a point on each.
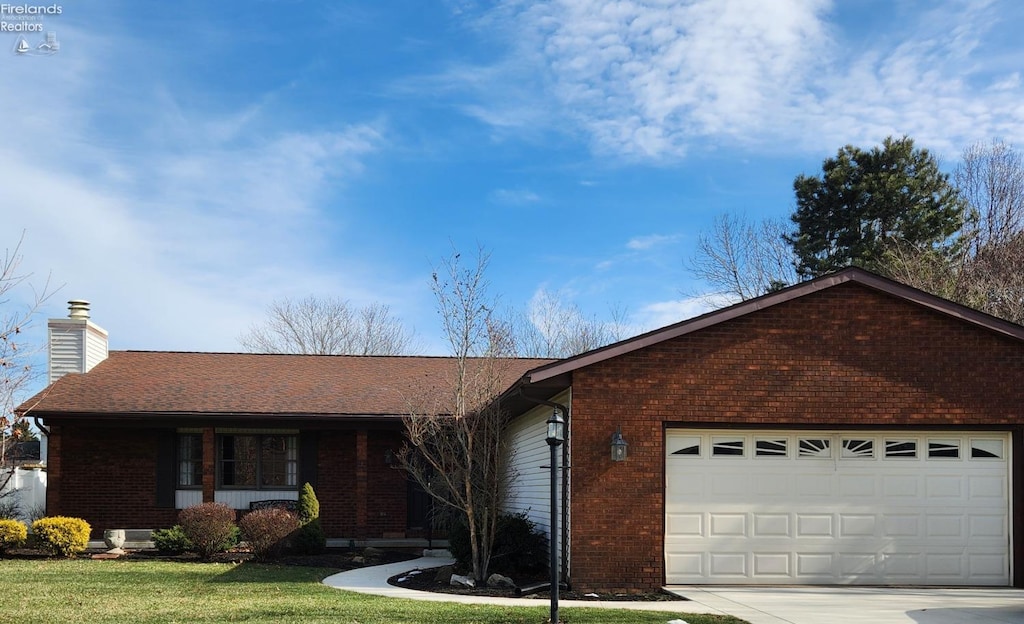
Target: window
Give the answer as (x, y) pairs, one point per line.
(258, 462)
(943, 449)
(190, 460)
(900, 448)
(815, 447)
(771, 447)
(986, 449)
(853, 448)
(727, 447)
(687, 446)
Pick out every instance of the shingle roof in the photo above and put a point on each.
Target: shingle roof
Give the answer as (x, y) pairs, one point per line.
(161, 382)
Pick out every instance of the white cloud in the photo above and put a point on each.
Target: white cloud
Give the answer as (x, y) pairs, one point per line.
(648, 80)
(662, 313)
(179, 235)
(641, 243)
(515, 197)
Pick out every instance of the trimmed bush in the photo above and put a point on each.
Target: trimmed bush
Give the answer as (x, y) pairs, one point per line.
(172, 541)
(519, 547)
(62, 536)
(309, 506)
(309, 540)
(267, 531)
(12, 534)
(209, 526)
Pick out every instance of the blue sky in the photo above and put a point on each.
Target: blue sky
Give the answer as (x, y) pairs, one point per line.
(182, 164)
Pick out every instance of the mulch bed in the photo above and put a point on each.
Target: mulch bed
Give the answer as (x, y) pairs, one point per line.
(339, 559)
(438, 580)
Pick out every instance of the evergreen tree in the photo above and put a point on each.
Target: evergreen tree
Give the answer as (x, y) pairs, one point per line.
(867, 201)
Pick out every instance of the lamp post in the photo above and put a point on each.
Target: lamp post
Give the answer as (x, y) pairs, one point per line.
(555, 437)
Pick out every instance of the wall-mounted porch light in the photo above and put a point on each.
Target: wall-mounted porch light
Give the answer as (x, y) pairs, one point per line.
(618, 446)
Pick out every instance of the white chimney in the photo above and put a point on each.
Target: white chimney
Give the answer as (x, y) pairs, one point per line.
(76, 343)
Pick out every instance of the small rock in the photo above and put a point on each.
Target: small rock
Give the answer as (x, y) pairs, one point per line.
(676, 622)
(462, 581)
(444, 573)
(499, 580)
(358, 559)
(371, 553)
(591, 595)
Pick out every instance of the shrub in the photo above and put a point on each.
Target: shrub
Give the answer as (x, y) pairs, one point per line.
(309, 539)
(309, 506)
(209, 526)
(519, 547)
(62, 536)
(267, 530)
(12, 534)
(172, 541)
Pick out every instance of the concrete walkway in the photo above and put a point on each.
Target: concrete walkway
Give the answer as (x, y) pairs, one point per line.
(757, 605)
(374, 580)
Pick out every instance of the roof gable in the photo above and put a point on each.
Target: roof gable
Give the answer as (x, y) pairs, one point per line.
(548, 372)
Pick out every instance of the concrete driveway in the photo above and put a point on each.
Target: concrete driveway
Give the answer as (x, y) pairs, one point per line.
(855, 605)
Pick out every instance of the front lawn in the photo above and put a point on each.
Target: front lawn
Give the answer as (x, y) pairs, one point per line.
(67, 592)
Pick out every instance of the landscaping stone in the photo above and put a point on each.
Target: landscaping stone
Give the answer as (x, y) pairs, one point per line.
(499, 580)
(444, 573)
(462, 581)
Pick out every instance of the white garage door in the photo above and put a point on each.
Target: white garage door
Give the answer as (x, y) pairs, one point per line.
(843, 507)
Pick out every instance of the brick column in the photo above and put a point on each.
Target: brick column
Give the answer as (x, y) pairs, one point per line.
(53, 471)
(361, 483)
(209, 464)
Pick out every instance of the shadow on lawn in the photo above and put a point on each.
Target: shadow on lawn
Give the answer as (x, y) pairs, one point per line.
(304, 569)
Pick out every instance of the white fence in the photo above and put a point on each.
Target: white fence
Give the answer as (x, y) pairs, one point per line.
(28, 490)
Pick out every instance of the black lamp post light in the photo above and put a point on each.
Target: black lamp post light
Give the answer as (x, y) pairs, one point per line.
(555, 438)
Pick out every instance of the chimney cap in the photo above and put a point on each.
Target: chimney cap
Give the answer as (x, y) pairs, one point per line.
(78, 309)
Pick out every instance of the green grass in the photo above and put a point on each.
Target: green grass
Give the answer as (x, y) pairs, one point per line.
(67, 592)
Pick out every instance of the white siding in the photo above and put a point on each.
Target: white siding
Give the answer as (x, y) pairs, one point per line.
(67, 344)
(530, 485)
(76, 345)
(183, 499)
(95, 346)
(240, 499)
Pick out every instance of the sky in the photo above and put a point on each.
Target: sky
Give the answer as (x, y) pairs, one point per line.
(183, 164)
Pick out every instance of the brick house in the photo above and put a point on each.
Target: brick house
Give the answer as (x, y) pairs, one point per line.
(136, 436)
(846, 430)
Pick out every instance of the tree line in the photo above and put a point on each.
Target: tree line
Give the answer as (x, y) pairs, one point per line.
(891, 210)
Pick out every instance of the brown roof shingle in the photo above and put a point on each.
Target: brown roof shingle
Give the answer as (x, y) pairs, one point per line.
(161, 382)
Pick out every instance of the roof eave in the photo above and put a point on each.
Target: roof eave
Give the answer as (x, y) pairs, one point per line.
(852, 274)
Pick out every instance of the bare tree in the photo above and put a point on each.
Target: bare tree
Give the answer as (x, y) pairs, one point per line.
(985, 271)
(328, 326)
(17, 372)
(991, 178)
(552, 328)
(456, 448)
(741, 259)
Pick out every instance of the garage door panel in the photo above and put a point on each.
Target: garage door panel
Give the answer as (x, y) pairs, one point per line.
(837, 508)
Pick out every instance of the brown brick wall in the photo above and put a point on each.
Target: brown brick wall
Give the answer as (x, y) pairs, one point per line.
(336, 486)
(107, 477)
(845, 356)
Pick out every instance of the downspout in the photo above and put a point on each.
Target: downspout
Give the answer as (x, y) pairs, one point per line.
(39, 426)
(565, 478)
